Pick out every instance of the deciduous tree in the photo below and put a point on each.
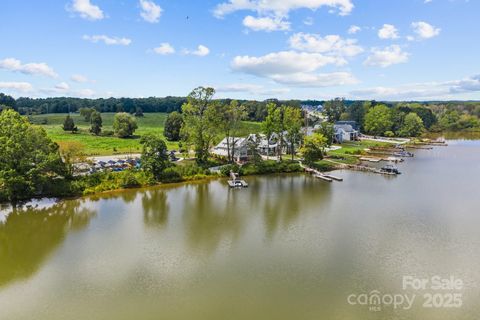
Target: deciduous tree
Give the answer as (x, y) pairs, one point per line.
(173, 126)
(30, 162)
(124, 125)
(293, 121)
(378, 120)
(154, 156)
(313, 148)
(96, 123)
(202, 121)
(412, 126)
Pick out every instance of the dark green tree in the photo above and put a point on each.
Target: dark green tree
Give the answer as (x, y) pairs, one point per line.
(154, 156)
(173, 126)
(69, 125)
(138, 112)
(30, 162)
(96, 123)
(7, 101)
(357, 112)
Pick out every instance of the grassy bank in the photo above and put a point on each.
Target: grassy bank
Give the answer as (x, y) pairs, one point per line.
(349, 153)
(150, 123)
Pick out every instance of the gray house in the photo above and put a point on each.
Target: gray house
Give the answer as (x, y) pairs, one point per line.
(345, 132)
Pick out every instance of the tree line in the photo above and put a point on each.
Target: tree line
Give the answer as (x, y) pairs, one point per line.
(404, 119)
(255, 110)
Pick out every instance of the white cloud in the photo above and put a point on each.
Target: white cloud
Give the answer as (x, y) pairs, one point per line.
(201, 51)
(16, 65)
(79, 78)
(280, 8)
(284, 62)
(387, 56)
(164, 49)
(425, 30)
(294, 68)
(354, 29)
(250, 88)
(427, 90)
(16, 86)
(108, 40)
(388, 31)
(151, 11)
(316, 79)
(266, 24)
(62, 86)
(86, 9)
(330, 44)
(427, 1)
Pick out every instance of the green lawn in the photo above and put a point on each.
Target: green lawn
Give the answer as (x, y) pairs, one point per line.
(349, 149)
(150, 123)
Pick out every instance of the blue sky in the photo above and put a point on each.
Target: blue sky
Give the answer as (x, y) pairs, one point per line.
(254, 49)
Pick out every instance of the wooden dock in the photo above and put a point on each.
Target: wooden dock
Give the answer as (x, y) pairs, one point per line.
(321, 175)
(419, 147)
(329, 176)
(378, 159)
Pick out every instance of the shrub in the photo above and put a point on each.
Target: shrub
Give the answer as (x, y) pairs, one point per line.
(107, 133)
(225, 170)
(171, 175)
(129, 180)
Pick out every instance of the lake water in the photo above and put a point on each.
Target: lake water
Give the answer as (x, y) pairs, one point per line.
(288, 247)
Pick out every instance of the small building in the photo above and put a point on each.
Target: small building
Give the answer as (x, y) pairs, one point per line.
(345, 132)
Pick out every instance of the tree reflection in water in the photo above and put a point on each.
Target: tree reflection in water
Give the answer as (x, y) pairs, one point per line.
(155, 207)
(209, 217)
(29, 236)
(297, 195)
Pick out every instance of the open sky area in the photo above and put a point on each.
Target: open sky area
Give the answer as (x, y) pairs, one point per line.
(252, 49)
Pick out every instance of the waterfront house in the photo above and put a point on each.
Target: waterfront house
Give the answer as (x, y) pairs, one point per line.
(345, 132)
(238, 146)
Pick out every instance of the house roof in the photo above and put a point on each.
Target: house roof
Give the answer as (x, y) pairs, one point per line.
(344, 127)
(230, 142)
(354, 124)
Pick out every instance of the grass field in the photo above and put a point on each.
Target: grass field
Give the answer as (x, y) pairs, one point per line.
(108, 145)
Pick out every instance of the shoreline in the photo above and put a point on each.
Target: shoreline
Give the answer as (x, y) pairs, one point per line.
(335, 165)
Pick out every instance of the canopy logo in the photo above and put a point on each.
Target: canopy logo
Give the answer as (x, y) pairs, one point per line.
(375, 300)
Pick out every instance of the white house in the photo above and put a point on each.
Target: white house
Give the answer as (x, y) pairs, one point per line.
(345, 132)
(239, 147)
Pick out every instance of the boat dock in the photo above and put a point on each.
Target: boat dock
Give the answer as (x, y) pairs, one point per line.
(418, 147)
(378, 159)
(237, 184)
(234, 182)
(322, 176)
